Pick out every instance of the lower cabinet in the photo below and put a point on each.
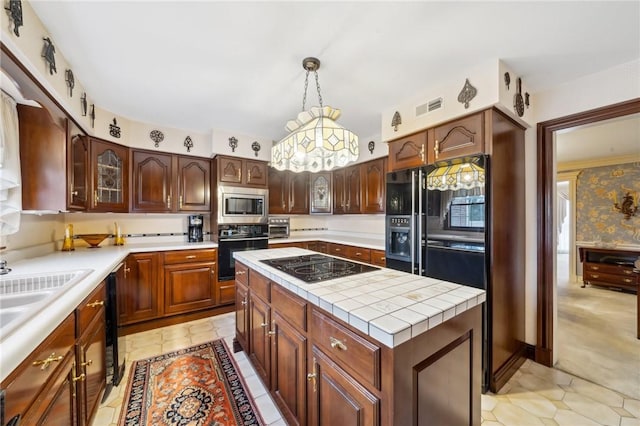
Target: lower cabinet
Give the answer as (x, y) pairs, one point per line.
(138, 293)
(62, 381)
(321, 371)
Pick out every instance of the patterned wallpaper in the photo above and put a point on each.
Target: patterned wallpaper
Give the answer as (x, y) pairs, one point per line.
(597, 190)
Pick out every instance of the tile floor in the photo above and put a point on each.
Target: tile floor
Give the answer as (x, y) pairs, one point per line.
(535, 395)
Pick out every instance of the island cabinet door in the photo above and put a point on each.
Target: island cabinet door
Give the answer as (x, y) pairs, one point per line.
(289, 370)
(260, 349)
(336, 398)
(242, 316)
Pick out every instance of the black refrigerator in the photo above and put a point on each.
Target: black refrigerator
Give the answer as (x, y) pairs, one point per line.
(436, 225)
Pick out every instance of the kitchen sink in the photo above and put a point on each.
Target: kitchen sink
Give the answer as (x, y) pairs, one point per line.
(21, 296)
(21, 299)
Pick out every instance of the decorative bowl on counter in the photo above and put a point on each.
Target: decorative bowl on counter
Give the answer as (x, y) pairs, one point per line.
(93, 240)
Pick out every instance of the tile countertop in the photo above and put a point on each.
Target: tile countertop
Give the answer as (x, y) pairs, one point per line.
(19, 339)
(390, 306)
(360, 240)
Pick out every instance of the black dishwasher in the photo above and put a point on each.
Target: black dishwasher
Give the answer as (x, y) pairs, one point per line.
(116, 349)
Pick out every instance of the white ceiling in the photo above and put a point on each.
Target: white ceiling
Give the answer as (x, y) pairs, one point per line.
(237, 65)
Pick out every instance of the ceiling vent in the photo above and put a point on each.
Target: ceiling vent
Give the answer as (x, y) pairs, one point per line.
(432, 105)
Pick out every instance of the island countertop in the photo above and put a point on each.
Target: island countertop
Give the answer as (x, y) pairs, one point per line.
(388, 305)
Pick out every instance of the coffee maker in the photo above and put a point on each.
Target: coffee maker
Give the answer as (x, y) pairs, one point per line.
(195, 228)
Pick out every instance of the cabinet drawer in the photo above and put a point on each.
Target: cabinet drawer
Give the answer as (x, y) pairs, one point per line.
(346, 348)
(291, 307)
(338, 249)
(185, 256)
(24, 385)
(90, 307)
(608, 269)
(601, 277)
(259, 285)
(242, 273)
(378, 258)
(358, 253)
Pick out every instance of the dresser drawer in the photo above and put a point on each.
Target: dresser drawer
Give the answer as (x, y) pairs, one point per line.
(259, 285)
(346, 348)
(186, 256)
(242, 273)
(24, 385)
(291, 307)
(611, 279)
(608, 269)
(91, 307)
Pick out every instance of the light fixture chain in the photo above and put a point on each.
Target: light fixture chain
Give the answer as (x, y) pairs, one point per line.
(306, 84)
(318, 87)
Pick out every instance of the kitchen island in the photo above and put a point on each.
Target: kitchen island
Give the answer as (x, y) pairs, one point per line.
(379, 347)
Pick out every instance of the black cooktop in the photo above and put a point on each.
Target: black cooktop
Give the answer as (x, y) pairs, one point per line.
(313, 268)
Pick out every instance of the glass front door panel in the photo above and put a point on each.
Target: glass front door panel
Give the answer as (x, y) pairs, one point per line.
(109, 189)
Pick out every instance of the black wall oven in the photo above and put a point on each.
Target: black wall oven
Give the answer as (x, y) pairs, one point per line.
(232, 238)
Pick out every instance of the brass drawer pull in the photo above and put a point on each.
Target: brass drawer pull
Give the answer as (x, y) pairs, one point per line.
(313, 376)
(595, 276)
(79, 378)
(628, 280)
(337, 344)
(628, 272)
(271, 333)
(264, 324)
(244, 302)
(240, 272)
(191, 256)
(595, 268)
(84, 364)
(48, 360)
(96, 303)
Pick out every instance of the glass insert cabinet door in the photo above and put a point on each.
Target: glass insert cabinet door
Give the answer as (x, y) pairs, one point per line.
(110, 188)
(320, 184)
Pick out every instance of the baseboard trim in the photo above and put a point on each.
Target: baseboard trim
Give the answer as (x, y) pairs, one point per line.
(176, 319)
(530, 351)
(504, 373)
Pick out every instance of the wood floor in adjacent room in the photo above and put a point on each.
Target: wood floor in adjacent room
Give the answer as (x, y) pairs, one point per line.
(535, 395)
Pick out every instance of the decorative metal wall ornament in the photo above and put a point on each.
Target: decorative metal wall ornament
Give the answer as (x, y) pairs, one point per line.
(156, 136)
(71, 81)
(526, 99)
(233, 143)
(371, 146)
(83, 104)
(396, 121)
(114, 130)
(255, 146)
(507, 79)
(15, 13)
(518, 102)
(48, 53)
(188, 143)
(92, 115)
(467, 93)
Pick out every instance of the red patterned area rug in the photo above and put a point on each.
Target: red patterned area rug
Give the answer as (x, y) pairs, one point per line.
(197, 386)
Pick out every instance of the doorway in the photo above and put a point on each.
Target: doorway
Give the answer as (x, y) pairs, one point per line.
(547, 231)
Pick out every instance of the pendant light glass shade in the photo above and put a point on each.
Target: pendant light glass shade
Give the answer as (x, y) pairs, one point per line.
(315, 143)
(456, 176)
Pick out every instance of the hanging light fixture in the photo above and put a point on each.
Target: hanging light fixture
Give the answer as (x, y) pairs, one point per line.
(315, 141)
(451, 177)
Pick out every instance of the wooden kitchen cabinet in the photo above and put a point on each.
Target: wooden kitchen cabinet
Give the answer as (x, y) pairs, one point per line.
(42, 389)
(242, 315)
(240, 171)
(109, 177)
(320, 192)
(408, 152)
(259, 327)
(373, 175)
(138, 293)
(288, 192)
(347, 188)
(165, 183)
(42, 159)
(90, 354)
(189, 280)
(463, 136)
(378, 258)
(77, 169)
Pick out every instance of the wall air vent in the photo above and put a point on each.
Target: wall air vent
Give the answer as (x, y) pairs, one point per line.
(432, 105)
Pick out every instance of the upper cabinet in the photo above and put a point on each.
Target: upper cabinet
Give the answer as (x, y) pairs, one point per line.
(164, 183)
(409, 151)
(288, 192)
(77, 169)
(320, 191)
(464, 136)
(360, 188)
(240, 171)
(109, 177)
(42, 159)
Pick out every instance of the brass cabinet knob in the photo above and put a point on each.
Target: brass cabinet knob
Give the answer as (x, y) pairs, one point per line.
(96, 303)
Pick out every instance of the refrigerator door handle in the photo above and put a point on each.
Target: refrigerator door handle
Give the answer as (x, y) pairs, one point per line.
(419, 236)
(412, 232)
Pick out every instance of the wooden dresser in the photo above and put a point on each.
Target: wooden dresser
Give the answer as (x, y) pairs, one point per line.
(610, 267)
